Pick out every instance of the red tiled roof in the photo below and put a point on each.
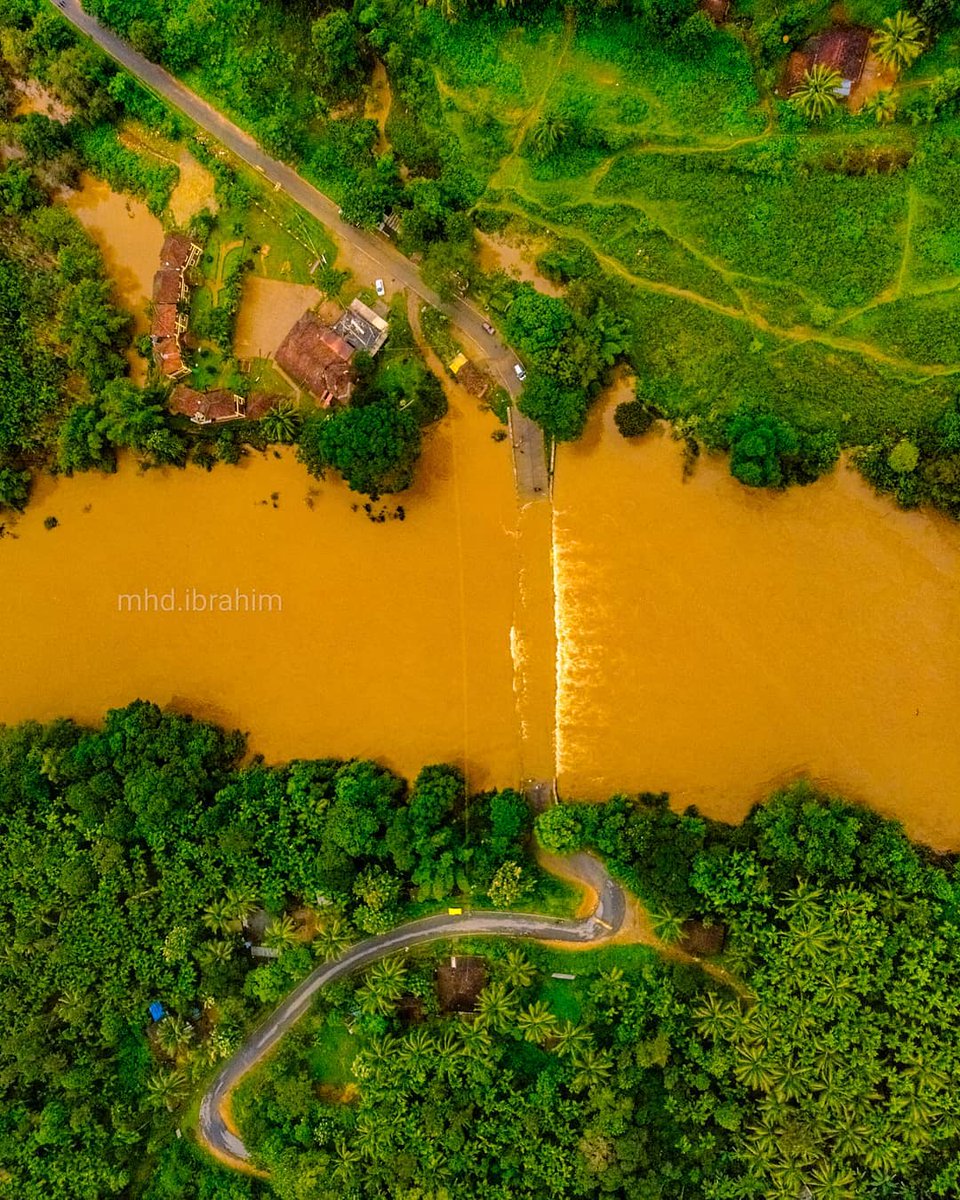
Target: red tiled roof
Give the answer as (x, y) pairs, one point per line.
(168, 353)
(176, 251)
(843, 49)
(317, 358)
(206, 407)
(167, 286)
(164, 323)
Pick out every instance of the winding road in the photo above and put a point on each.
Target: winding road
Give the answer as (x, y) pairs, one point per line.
(606, 919)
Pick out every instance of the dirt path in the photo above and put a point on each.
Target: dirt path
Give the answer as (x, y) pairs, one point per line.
(749, 315)
(378, 104)
(536, 110)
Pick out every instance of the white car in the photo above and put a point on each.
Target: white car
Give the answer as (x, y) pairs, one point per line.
(381, 290)
(519, 372)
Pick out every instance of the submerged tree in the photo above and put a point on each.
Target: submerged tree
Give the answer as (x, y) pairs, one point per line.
(817, 93)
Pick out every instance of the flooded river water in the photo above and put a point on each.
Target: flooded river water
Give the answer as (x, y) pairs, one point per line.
(706, 640)
(392, 640)
(715, 641)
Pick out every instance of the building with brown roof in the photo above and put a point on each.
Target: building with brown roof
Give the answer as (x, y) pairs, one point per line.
(318, 360)
(170, 291)
(842, 49)
(179, 252)
(207, 408)
(169, 286)
(169, 355)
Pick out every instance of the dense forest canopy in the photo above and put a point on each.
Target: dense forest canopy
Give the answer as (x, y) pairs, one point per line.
(131, 859)
(818, 1050)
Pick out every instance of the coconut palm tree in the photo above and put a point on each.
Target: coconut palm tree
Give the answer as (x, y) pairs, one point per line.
(537, 1023)
(449, 1051)
(477, 1043)
(753, 1068)
(802, 901)
(569, 1040)
(281, 932)
(666, 926)
(242, 902)
(167, 1089)
(496, 1006)
(417, 1051)
(383, 986)
(281, 423)
(215, 953)
(516, 970)
(899, 41)
(174, 1034)
(333, 937)
(219, 917)
(817, 93)
(547, 134)
(591, 1067)
(713, 1015)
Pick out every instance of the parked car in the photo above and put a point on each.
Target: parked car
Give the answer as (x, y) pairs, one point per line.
(381, 290)
(488, 328)
(519, 371)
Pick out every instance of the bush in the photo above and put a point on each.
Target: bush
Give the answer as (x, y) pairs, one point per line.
(632, 419)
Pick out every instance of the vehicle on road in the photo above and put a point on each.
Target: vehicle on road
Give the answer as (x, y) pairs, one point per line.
(519, 372)
(381, 290)
(488, 328)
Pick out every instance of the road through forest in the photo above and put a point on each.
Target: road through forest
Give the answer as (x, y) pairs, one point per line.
(603, 923)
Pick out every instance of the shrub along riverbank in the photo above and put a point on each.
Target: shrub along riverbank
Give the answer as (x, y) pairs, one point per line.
(137, 859)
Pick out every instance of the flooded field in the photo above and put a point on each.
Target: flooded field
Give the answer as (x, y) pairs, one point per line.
(516, 256)
(715, 641)
(269, 310)
(393, 638)
(129, 237)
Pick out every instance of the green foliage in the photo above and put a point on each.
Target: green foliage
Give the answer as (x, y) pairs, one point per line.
(899, 41)
(373, 447)
(766, 451)
(817, 94)
(632, 418)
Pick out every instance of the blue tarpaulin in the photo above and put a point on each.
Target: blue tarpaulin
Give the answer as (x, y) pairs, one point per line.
(157, 1010)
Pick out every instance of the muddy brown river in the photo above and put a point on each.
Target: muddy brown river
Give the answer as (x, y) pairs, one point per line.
(649, 633)
(711, 641)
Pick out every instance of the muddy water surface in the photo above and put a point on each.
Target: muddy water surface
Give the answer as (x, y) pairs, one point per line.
(269, 310)
(129, 237)
(715, 641)
(393, 639)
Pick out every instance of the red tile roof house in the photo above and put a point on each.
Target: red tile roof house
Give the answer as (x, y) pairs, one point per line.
(170, 289)
(318, 360)
(207, 408)
(843, 49)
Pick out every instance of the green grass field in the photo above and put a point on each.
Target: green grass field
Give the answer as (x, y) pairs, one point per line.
(814, 269)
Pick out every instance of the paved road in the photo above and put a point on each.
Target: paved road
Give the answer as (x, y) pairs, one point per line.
(600, 925)
(384, 256)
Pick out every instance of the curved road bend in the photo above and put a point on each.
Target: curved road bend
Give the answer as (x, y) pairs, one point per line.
(603, 923)
(380, 251)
